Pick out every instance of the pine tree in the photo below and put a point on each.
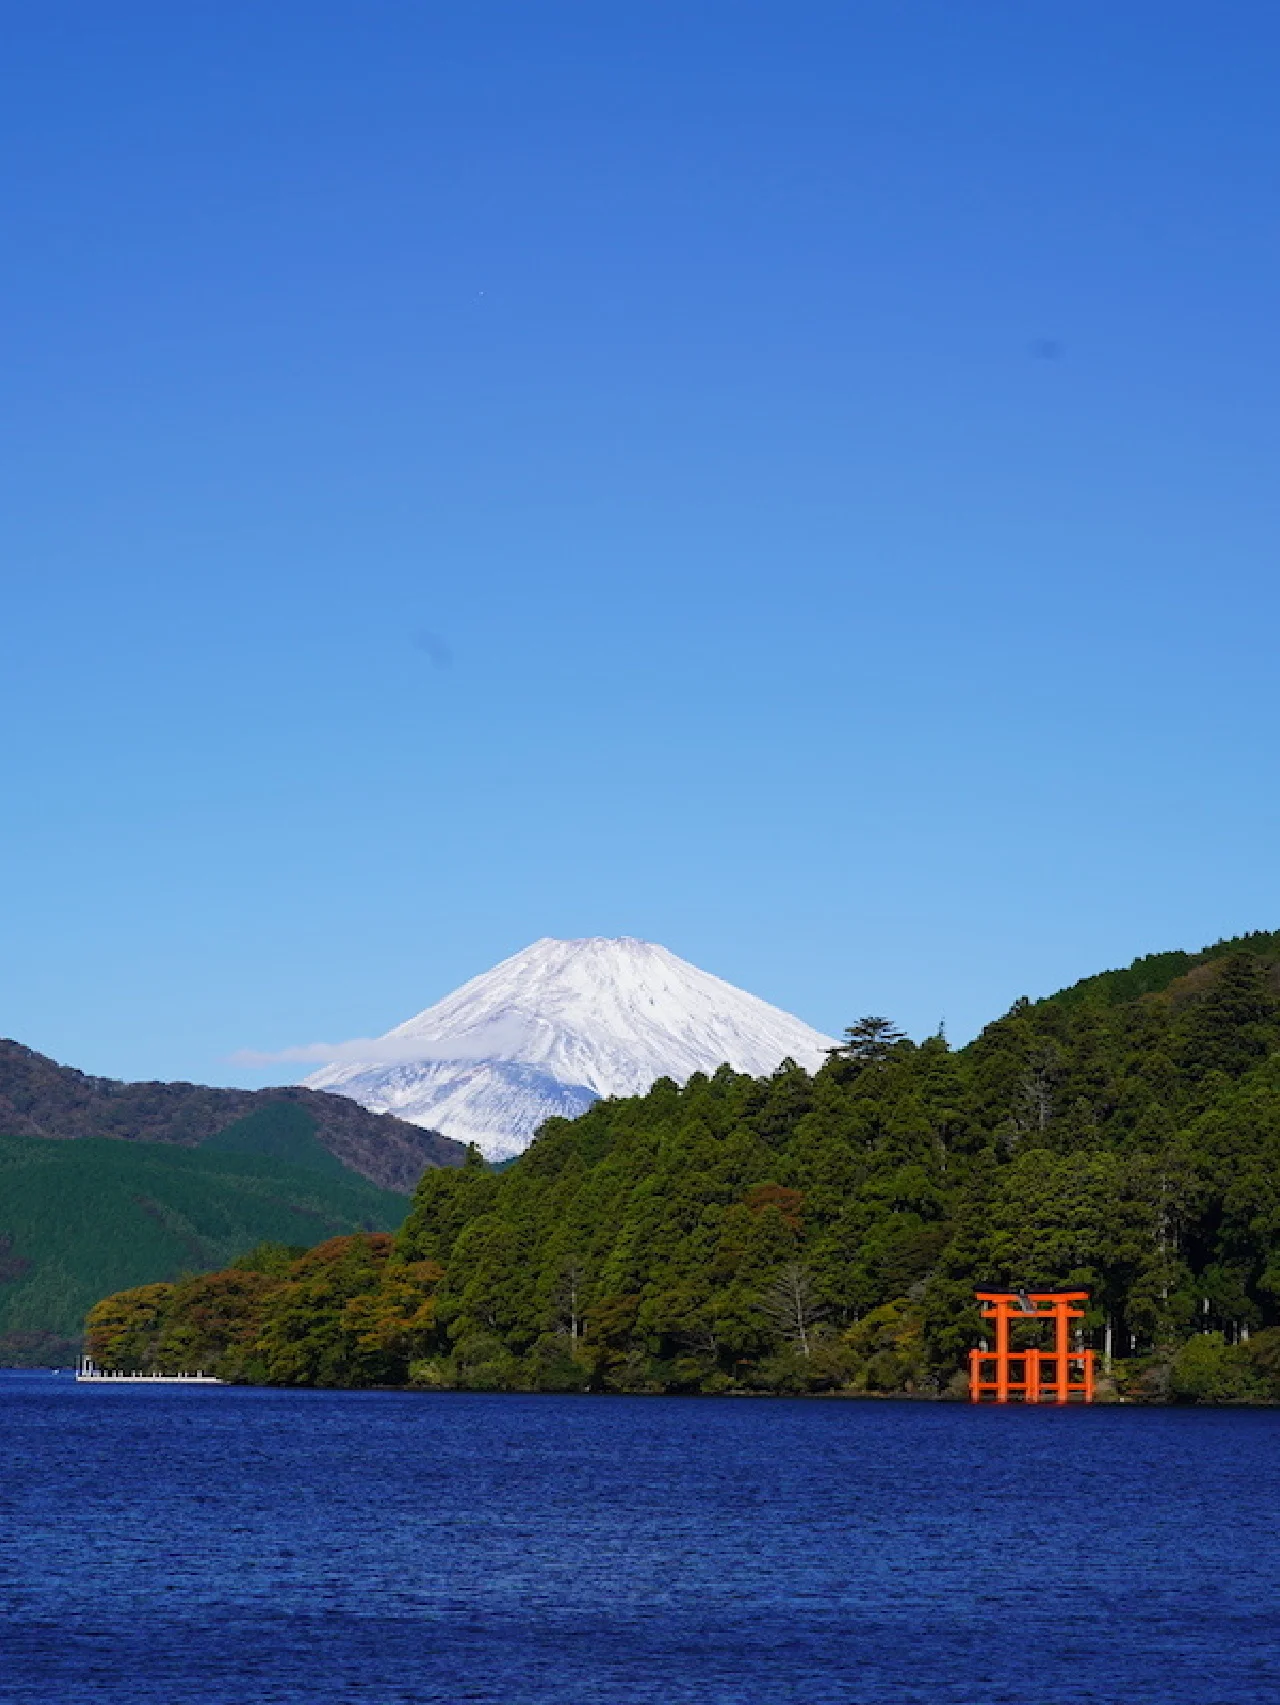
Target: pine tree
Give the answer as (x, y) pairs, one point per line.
(867, 1041)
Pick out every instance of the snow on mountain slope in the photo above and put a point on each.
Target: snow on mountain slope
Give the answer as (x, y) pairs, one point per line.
(552, 1028)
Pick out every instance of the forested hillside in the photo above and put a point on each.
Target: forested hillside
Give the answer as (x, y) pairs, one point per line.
(78, 1219)
(826, 1232)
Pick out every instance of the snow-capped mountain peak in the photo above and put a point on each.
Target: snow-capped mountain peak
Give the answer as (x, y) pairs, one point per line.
(554, 1027)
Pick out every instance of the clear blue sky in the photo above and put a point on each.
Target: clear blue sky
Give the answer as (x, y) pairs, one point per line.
(795, 482)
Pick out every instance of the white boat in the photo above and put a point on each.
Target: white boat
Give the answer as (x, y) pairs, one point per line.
(89, 1373)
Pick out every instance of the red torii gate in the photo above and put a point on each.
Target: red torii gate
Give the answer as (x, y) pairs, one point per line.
(1034, 1375)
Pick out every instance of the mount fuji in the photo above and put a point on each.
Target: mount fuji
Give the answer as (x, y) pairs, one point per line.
(553, 1028)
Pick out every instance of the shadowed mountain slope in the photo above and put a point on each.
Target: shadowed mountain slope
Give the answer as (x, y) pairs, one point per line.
(40, 1098)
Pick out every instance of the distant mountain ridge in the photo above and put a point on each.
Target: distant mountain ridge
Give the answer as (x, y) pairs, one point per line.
(557, 1026)
(40, 1098)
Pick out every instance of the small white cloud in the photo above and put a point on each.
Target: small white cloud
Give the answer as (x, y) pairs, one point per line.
(310, 1053)
(503, 1038)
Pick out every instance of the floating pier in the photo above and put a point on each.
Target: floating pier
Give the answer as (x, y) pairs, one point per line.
(89, 1373)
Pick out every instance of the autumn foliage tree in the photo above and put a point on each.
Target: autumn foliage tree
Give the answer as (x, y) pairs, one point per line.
(347, 1313)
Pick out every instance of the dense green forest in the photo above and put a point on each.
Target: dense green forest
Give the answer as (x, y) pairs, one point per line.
(823, 1233)
(83, 1217)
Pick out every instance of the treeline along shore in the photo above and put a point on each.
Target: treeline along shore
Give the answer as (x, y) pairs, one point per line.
(821, 1233)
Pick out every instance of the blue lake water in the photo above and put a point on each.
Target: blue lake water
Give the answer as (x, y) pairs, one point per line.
(243, 1547)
